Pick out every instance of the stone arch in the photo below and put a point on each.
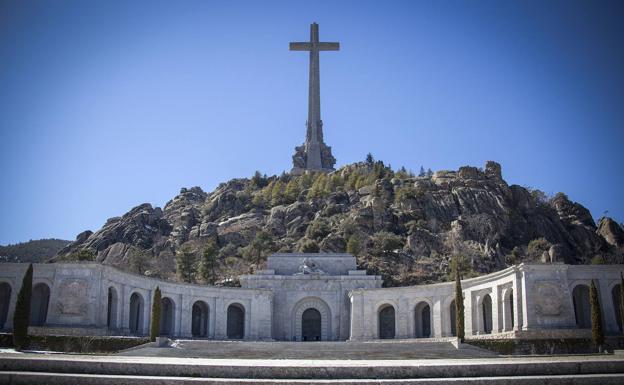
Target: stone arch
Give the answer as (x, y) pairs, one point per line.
(484, 309)
(423, 318)
(453, 317)
(508, 310)
(386, 316)
(199, 319)
(236, 321)
(616, 296)
(582, 311)
(324, 311)
(5, 300)
(311, 325)
(39, 304)
(167, 316)
(135, 316)
(111, 309)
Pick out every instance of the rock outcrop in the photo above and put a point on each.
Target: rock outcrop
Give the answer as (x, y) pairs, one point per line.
(471, 212)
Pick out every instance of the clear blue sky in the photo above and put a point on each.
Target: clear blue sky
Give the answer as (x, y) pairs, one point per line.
(108, 104)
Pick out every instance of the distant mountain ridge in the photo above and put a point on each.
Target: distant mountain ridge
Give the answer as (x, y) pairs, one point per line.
(399, 225)
(32, 251)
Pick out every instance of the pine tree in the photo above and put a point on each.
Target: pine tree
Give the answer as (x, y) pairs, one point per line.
(369, 159)
(622, 300)
(429, 173)
(596, 317)
(291, 193)
(422, 172)
(21, 316)
(156, 310)
(353, 245)
(260, 245)
(185, 259)
(208, 263)
(459, 305)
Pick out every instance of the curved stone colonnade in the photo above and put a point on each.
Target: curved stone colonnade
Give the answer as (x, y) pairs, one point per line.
(545, 300)
(532, 301)
(98, 299)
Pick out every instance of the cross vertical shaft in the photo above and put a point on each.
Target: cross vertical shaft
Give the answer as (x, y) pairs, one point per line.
(316, 155)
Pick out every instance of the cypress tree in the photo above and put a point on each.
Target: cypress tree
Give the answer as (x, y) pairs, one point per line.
(21, 316)
(596, 317)
(622, 300)
(459, 306)
(155, 324)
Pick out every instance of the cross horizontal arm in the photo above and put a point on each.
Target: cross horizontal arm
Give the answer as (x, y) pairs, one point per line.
(328, 46)
(303, 46)
(300, 46)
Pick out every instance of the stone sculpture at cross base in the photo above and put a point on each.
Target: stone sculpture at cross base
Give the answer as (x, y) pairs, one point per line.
(314, 154)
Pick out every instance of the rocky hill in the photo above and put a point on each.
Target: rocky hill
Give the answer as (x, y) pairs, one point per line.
(402, 226)
(32, 251)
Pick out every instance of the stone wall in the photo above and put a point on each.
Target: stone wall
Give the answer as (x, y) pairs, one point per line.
(524, 298)
(79, 299)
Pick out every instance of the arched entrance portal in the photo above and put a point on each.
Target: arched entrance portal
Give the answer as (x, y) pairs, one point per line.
(166, 317)
(5, 299)
(199, 319)
(422, 320)
(111, 313)
(582, 313)
(313, 315)
(235, 322)
(486, 314)
(135, 319)
(453, 317)
(387, 328)
(39, 304)
(616, 297)
(311, 325)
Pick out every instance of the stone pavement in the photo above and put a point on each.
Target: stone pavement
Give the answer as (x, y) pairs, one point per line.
(378, 350)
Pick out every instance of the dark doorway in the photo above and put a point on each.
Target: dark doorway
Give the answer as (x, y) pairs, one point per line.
(166, 317)
(582, 312)
(486, 308)
(135, 323)
(386, 323)
(199, 325)
(235, 322)
(422, 318)
(311, 325)
(5, 300)
(453, 311)
(39, 304)
(616, 296)
(111, 315)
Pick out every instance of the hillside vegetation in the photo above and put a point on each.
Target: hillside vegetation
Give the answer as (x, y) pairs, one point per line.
(32, 251)
(399, 225)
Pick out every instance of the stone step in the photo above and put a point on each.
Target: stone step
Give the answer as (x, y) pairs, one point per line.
(312, 369)
(34, 378)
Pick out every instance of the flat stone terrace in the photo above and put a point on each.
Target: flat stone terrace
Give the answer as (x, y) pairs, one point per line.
(378, 350)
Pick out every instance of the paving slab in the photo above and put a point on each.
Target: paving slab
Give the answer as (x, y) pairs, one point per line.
(378, 350)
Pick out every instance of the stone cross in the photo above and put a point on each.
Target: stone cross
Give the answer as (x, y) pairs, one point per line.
(314, 154)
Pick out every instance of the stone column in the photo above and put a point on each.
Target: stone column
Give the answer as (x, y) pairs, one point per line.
(517, 301)
(437, 314)
(496, 324)
(147, 312)
(220, 320)
(468, 313)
